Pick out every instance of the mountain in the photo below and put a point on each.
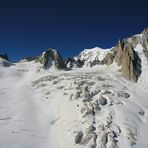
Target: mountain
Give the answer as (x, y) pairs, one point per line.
(130, 54)
(73, 63)
(125, 56)
(90, 105)
(4, 56)
(88, 58)
(92, 56)
(4, 60)
(49, 59)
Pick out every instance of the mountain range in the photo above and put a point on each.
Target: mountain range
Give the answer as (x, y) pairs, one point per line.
(97, 99)
(130, 54)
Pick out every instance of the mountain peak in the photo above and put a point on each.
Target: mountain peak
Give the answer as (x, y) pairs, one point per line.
(128, 53)
(92, 56)
(4, 56)
(4, 60)
(145, 30)
(51, 58)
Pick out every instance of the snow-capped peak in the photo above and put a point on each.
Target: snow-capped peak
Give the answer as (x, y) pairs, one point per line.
(91, 55)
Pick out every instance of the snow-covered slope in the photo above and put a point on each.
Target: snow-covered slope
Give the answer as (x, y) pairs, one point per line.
(25, 116)
(88, 107)
(83, 108)
(90, 56)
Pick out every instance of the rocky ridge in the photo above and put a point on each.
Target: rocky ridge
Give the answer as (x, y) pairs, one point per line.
(4, 60)
(50, 58)
(4, 56)
(123, 54)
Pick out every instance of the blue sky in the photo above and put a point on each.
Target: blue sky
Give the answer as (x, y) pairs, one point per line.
(29, 27)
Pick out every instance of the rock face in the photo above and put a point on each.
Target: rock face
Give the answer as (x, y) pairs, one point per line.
(29, 59)
(108, 60)
(78, 137)
(128, 59)
(103, 101)
(50, 58)
(4, 60)
(4, 56)
(73, 63)
(125, 55)
(141, 39)
(146, 54)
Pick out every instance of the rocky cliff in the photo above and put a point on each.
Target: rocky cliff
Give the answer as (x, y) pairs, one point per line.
(4, 60)
(51, 58)
(127, 54)
(4, 56)
(73, 63)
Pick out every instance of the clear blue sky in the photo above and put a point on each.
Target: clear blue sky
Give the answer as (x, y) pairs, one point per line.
(28, 27)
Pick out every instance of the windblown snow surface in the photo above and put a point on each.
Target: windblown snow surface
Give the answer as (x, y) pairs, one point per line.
(82, 108)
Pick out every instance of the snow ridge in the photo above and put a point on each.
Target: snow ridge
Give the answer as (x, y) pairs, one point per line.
(91, 55)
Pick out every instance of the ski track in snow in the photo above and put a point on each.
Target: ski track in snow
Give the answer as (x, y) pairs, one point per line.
(88, 107)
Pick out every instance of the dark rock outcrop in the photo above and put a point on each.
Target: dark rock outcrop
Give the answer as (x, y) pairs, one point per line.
(124, 55)
(29, 59)
(51, 58)
(5, 60)
(78, 137)
(71, 63)
(145, 38)
(128, 59)
(146, 54)
(103, 101)
(4, 56)
(95, 62)
(108, 59)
